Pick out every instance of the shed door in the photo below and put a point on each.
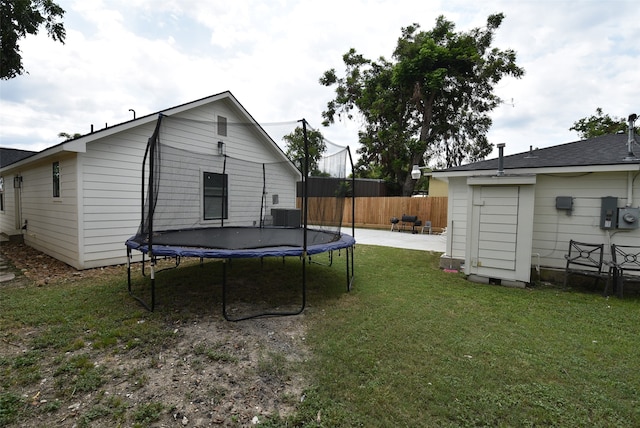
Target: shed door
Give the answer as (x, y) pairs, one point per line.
(501, 232)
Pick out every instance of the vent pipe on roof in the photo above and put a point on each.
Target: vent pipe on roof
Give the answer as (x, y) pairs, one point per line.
(531, 155)
(631, 139)
(500, 159)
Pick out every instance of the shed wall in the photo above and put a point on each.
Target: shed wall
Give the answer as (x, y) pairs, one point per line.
(553, 228)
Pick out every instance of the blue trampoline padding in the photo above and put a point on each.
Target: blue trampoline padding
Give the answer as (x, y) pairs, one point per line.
(240, 242)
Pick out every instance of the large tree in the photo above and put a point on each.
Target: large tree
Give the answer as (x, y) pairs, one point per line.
(431, 103)
(599, 124)
(296, 148)
(19, 18)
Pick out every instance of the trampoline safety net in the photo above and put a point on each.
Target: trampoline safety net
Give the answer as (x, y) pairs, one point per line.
(194, 178)
(215, 189)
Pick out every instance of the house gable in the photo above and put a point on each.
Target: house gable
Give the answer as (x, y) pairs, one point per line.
(102, 179)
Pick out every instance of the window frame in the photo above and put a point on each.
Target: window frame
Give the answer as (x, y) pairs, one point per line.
(55, 177)
(222, 126)
(221, 194)
(1, 193)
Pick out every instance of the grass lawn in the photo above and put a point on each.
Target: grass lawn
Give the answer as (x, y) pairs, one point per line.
(409, 346)
(414, 346)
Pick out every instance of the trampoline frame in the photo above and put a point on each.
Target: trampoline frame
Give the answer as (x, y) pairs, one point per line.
(304, 252)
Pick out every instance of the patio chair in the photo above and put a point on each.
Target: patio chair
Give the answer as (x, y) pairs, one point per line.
(427, 226)
(625, 259)
(585, 259)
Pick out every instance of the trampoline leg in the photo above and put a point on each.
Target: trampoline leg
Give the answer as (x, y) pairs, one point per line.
(129, 269)
(153, 284)
(224, 290)
(143, 263)
(350, 274)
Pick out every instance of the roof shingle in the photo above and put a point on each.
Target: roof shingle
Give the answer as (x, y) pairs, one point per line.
(603, 150)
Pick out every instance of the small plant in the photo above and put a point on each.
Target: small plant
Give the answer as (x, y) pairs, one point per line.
(78, 374)
(95, 412)
(148, 413)
(10, 406)
(273, 365)
(214, 354)
(51, 406)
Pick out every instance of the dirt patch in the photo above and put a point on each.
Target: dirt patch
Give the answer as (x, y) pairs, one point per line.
(215, 373)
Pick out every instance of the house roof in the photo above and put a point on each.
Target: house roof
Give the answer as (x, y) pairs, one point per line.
(598, 151)
(78, 144)
(9, 156)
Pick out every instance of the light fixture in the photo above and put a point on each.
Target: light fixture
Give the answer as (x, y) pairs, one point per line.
(220, 148)
(415, 172)
(17, 182)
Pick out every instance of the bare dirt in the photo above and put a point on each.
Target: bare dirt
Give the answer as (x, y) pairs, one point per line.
(216, 373)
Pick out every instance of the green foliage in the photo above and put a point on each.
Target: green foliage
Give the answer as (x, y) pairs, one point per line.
(19, 18)
(78, 374)
(430, 105)
(215, 353)
(599, 124)
(296, 148)
(10, 406)
(148, 412)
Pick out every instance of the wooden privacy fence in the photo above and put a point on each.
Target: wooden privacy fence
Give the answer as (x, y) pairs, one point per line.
(376, 212)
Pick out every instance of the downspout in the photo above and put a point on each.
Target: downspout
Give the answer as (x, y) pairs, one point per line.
(629, 188)
(630, 157)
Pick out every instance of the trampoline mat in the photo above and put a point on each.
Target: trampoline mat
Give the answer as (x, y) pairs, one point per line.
(230, 242)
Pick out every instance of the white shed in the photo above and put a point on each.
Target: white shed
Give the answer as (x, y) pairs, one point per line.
(80, 200)
(505, 221)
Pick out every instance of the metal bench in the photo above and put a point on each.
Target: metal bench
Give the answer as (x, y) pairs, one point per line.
(624, 267)
(585, 259)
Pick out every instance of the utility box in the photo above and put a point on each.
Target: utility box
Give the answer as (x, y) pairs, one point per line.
(609, 212)
(628, 218)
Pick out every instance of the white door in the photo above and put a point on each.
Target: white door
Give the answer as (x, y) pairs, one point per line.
(501, 232)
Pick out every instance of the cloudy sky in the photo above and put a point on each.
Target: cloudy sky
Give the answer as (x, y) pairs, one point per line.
(150, 55)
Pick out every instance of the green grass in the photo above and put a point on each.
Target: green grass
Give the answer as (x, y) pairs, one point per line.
(410, 345)
(415, 346)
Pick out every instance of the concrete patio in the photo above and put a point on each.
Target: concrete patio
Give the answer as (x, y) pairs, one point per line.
(407, 240)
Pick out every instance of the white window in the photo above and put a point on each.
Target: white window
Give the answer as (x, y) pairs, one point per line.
(56, 179)
(215, 196)
(222, 126)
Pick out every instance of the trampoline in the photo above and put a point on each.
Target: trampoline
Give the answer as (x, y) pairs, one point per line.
(241, 242)
(172, 214)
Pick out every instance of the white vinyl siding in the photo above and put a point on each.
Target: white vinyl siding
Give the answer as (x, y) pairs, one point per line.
(111, 195)
(52, 223)
(553, 228)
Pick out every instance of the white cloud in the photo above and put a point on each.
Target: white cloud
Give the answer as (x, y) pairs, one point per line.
(578, 55)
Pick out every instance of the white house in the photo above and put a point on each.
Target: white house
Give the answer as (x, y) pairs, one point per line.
(79, 201)
(518, 212)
